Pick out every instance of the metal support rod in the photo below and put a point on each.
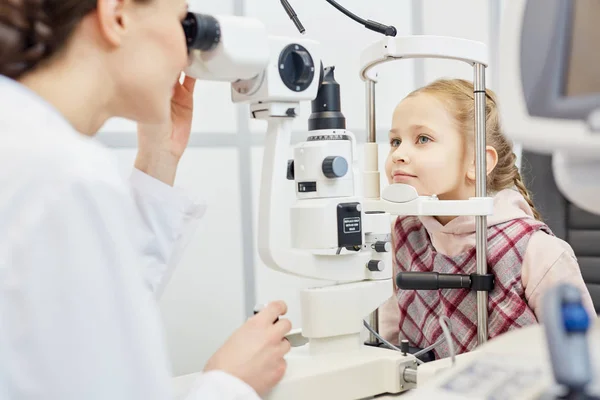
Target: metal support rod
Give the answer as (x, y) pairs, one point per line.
(371, 116)
(374, 322)
(372, 138)
(480, 191)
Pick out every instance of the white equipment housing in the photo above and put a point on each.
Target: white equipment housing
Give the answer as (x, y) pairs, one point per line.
(549, 97)
(242, 53)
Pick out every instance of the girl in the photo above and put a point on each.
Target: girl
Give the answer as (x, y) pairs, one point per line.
(432, 149)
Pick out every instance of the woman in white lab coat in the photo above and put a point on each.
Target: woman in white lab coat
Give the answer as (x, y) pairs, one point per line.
(83, 254)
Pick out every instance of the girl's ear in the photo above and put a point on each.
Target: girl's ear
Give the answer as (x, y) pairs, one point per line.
(491, 158)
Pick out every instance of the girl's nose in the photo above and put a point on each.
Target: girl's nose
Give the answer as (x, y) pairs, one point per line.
(400, 156)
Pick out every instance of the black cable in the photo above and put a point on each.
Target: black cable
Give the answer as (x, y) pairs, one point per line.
(348, 13)
(372, 25)
(292, 14)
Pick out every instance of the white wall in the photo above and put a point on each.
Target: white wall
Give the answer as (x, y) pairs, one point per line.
(221, 272)
(467, 19)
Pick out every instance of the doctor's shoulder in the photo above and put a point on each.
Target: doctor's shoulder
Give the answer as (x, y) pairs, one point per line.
(47, 161)
(53, 181)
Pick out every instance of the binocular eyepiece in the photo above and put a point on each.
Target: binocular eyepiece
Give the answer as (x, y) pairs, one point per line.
(202, 32)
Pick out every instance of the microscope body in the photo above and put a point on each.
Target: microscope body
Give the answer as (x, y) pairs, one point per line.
(325, 234)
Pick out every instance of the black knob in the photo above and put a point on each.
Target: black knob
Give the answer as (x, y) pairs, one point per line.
(404, 346)
(412, 280)
(383, 247)
(302, 63)
(202, 32)
(296, 67)
(376, 265)
(290, 170)
(335, 167)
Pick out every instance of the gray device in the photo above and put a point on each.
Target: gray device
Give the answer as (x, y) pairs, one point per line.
(566, 323)
(559, 68)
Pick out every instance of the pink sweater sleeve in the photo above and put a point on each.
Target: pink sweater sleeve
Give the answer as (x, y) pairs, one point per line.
(548, 261)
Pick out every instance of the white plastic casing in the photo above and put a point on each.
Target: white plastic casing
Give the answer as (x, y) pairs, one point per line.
(314, 223)
(242, 53)
(269, 87)
(308, 167)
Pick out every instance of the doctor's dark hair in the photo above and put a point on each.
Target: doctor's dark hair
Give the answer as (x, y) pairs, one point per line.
(457, 97)
(33, 31)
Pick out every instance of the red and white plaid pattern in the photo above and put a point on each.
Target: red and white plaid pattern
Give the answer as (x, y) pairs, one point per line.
(420, 309)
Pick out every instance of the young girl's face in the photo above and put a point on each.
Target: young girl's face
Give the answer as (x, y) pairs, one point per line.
(426, 149)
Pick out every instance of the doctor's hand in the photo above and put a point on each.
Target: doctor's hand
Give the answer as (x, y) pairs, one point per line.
(160, 146)
(254, 353)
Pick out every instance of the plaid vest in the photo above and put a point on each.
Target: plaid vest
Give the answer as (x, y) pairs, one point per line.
(420, 309)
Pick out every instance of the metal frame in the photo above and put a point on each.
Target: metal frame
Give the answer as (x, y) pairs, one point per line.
(370, 77)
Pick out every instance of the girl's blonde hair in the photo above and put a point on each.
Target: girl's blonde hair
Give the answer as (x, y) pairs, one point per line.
(457, 96)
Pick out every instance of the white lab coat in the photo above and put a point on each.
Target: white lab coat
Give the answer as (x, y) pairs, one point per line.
(82, 256)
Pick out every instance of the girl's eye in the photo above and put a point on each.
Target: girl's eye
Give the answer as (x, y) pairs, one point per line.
(423, 139)
(395, 142)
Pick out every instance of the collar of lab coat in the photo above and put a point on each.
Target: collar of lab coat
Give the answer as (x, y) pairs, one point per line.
(22, 108)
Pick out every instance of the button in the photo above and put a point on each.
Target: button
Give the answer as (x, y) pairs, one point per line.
(335, 167)
(383, 247)
(575, 318)
(376, 265)
(290, 170)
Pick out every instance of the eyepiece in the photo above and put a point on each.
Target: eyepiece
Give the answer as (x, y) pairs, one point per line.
(202, 32)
